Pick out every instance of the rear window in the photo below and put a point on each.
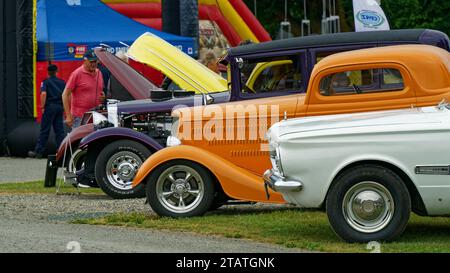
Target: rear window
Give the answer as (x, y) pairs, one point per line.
(362, 81)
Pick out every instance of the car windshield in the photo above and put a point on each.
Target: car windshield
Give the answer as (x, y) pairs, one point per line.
(271, 74)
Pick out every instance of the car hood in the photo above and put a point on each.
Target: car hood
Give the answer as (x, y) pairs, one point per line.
(411, 117)
(145, 106)
(136, 84)
(187, 73)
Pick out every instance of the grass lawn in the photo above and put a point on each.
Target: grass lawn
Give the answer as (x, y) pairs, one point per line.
(292, 228)
(289, 227)
(38, 187)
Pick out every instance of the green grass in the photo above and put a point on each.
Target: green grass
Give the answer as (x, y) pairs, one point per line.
(38, 187)
(292, 228)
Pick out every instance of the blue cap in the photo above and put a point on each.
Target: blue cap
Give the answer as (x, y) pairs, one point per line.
(90, 55)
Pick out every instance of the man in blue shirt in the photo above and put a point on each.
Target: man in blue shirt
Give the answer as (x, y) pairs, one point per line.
(52, 109)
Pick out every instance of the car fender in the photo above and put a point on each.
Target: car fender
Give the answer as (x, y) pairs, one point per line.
(119, 132)
(236, 182)
(73, 137)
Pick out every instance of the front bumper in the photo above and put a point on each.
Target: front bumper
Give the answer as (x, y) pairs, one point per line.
(279, 183)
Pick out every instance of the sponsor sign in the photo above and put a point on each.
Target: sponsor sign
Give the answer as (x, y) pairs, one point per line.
(369, 16)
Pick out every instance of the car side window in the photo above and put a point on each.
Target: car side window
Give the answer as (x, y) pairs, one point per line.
(392, 79)
(276, 74)
(361, 81)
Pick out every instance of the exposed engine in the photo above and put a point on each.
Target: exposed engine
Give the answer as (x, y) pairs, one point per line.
(156, 125)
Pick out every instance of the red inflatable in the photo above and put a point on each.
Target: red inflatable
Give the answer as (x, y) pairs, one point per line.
(250, 20)
(149, 13)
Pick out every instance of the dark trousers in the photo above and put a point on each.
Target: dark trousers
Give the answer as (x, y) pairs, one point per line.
(53, 116)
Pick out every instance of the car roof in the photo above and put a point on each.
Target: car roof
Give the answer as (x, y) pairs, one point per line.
(344, 38)
(416, 58)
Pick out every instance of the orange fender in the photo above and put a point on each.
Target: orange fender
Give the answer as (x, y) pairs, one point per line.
(236, 182)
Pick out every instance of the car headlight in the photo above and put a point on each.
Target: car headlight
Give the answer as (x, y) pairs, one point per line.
(275, 158)
(173, 141)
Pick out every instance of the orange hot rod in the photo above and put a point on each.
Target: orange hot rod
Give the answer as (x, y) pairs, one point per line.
(218, 152)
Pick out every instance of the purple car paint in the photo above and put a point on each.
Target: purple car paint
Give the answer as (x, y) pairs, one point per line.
(120, 132)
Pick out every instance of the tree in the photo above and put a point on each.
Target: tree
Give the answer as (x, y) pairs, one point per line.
(400, 13)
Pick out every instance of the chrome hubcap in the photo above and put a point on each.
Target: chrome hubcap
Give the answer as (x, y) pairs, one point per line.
(368, 207)
(121, 169)
(180, 189)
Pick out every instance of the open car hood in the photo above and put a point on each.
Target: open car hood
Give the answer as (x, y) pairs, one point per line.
(136, 84)
(187, 73)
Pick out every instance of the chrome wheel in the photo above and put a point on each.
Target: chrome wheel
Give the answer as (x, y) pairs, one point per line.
(180, 189)
(121, 169)
(368, 207)
(76, 161)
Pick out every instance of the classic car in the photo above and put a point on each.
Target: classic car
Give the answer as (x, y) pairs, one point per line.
(125, 84)
(135, 128)
(219, 150)
(369, 170)
(270, 69)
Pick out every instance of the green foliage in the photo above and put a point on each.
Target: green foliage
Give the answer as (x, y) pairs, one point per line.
(269, 13)
(418, 14)
(401, 14)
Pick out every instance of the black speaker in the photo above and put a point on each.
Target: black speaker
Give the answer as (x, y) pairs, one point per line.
(189, 18)
(171, 16)
(24, 42)
(189, 22)
(180, 17)
(16, 69)
(2, 79)
(10, 64)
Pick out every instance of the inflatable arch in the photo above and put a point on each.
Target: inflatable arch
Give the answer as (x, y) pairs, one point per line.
(233, 17)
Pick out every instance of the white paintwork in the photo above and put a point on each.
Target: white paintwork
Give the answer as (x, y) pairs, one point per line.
(97, 118)
(314, 150)
(113, 116)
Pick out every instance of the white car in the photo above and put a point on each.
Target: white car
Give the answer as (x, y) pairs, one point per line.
(369, 170)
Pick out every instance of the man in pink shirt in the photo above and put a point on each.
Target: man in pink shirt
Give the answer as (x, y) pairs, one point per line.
(84, 90)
